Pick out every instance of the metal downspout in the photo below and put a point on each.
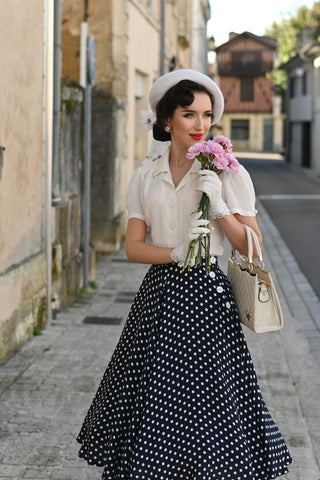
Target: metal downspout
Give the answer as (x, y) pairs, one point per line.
(162, 37)
(87, 183)
(47, 143)
(56, 102)
(87, 89)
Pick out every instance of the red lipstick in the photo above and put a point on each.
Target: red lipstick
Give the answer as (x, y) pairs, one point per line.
(196, 136)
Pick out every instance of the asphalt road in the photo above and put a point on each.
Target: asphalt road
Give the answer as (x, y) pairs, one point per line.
(292, 200)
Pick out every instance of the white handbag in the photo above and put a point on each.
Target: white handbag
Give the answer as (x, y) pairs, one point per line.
(255, 295)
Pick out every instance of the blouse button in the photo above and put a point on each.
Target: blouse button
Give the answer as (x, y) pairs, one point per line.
(172, 226)
(171, 203)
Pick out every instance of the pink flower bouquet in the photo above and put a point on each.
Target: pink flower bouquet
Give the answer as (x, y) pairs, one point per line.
(213, 155)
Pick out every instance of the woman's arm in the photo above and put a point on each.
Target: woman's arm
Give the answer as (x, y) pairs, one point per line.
(138, 250)
(233, 227)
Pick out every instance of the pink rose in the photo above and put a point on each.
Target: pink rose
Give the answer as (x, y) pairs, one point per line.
(195, 150)
(220, 162)
(214, 148)
(233, 163)
(225, 142)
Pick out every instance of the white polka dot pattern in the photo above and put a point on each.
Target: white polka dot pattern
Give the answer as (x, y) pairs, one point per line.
(180, 399)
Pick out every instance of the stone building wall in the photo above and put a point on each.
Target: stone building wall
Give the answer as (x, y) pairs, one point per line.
(67, 245)
(22, 259)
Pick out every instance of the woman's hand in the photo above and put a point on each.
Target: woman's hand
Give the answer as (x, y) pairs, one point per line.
(139, 251)
(210, 184)
(199, 227)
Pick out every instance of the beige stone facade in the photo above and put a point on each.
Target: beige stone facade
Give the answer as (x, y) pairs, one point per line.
(22, 260)
(257, 121)
(128, 60)
(199, 39)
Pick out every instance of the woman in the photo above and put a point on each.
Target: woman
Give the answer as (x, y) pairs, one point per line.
(180, 399)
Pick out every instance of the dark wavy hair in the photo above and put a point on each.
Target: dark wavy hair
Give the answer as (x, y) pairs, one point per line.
(179, 95)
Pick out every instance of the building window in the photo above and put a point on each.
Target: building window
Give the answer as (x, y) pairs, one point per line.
(292, 86)
(139, 85)
(247, 63)
(240, 129)
(246, 94)
(304, 83)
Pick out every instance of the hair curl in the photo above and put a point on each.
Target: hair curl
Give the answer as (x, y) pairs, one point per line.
(181, 94)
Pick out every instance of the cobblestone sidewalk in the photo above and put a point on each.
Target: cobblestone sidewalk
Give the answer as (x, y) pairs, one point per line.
(46, 388)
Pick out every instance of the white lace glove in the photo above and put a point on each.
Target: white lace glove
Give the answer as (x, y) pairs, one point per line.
(198, 227)
(210, 184)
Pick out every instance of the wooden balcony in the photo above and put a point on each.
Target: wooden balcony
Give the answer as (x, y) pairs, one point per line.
(245, 69)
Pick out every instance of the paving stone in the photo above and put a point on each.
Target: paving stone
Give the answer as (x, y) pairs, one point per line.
(6, 439)
(93, 475)
(65, 473)
(10, 471)
(46, 456)
(39, 473)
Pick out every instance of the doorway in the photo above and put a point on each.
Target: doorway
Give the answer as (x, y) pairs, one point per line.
(268, 135)
(306, 145)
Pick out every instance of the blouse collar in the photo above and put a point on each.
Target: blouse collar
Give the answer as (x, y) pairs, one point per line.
(162, 165)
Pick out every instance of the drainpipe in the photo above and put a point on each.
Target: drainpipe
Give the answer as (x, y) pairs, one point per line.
(162, 37)
(87, 74)
(87, 183)
(47, 142)
(56, 102)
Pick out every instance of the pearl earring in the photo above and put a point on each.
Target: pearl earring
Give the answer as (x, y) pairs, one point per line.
(167, 128)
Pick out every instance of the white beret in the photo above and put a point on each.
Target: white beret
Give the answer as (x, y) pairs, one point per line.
(169, 80)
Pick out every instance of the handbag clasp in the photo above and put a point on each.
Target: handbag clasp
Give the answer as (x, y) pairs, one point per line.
(264, 295)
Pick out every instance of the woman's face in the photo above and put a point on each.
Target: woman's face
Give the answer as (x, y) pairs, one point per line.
(191, 124)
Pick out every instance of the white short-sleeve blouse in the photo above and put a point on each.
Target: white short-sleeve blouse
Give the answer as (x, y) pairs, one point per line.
(166, 209)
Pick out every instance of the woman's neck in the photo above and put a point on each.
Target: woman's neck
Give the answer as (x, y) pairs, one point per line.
(179, 164)
(177, 157)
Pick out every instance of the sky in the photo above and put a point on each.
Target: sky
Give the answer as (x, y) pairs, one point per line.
(248, 15)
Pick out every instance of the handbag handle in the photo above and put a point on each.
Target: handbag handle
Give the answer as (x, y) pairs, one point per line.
(251, 235)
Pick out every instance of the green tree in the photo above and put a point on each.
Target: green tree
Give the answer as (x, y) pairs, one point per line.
(286, 32)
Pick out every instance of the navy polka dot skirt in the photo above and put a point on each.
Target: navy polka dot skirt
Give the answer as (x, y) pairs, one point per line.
(179, 399)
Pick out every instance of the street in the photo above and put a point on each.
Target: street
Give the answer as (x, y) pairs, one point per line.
(48, 385)
(293, 201)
